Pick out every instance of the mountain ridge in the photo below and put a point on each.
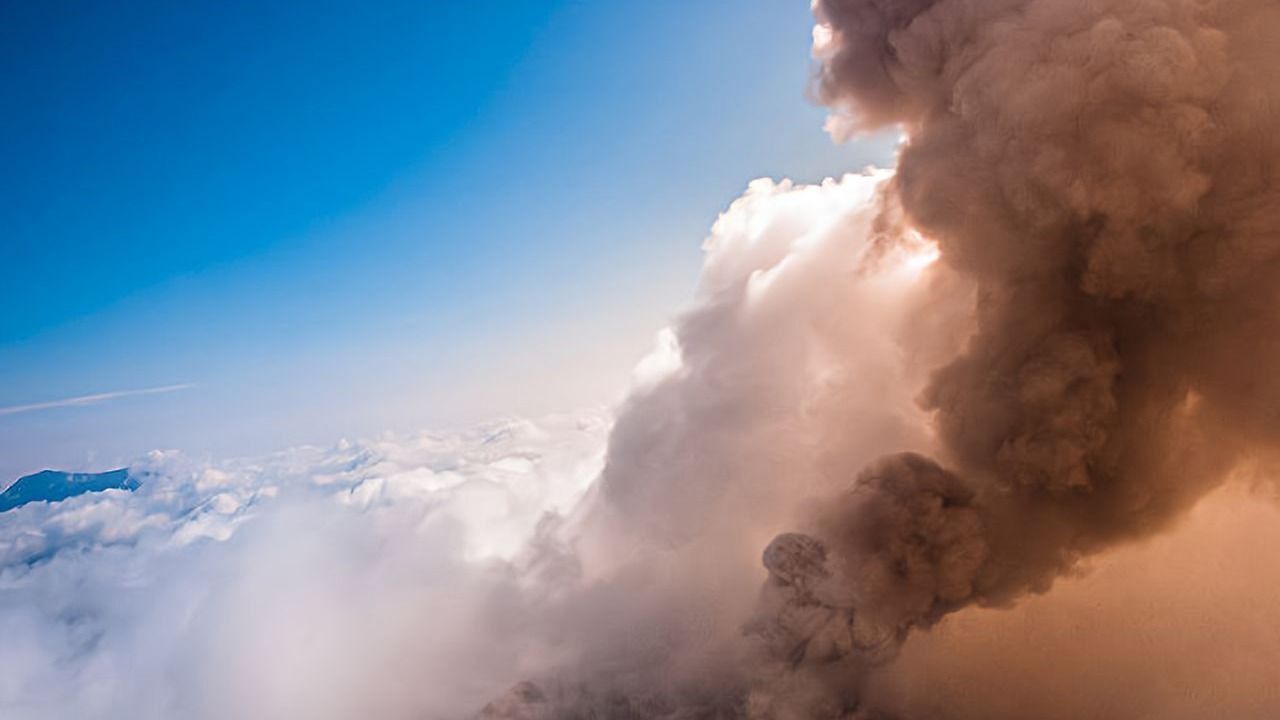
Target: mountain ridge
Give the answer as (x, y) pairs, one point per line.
(56, 486)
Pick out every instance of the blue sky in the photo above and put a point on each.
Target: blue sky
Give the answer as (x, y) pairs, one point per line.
(336, 218)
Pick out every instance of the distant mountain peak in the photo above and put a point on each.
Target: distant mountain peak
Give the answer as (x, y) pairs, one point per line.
(55, 486)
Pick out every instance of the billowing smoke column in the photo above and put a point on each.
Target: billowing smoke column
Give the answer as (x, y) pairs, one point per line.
(1104, 172)
(1095, 351)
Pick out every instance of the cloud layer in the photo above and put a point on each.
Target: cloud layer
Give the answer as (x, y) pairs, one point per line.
(335, 583)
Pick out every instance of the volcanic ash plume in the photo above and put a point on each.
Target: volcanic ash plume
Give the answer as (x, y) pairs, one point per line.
(1104, 173)
(1093, 352)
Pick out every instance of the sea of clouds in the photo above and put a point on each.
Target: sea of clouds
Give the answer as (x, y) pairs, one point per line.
(317, 582)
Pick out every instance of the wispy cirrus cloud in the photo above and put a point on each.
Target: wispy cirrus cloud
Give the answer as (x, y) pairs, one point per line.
(92, 399)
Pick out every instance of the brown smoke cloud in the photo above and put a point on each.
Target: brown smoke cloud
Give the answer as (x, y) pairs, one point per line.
(1094, 353)
(1102, 172)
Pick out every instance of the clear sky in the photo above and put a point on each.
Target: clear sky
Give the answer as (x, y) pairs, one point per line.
(300, 221)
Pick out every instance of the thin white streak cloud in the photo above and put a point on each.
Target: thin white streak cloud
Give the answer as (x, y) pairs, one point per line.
(91, 399)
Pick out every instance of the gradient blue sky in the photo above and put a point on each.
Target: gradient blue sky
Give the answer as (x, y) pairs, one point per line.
(336, 218)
